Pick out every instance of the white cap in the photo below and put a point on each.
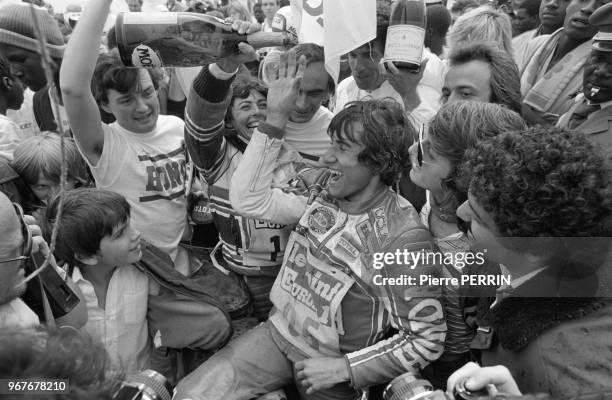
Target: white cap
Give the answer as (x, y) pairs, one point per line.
(283, 21)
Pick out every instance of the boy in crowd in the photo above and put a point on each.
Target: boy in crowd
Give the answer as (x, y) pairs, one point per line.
(329, 316)
(99, 244)
(11, 98)
(141, 155)
(38, 161)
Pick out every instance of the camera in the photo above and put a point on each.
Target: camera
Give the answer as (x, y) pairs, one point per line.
(412, 387)
(146, 385)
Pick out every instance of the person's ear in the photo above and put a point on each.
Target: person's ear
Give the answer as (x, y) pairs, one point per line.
(105, 108)
(7, 83)
(90, 260)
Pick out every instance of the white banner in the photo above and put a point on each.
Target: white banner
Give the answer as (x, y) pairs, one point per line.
(338, 25)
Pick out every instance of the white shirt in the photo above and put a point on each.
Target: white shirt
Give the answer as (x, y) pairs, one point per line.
(310, 137)
(429, 90)
(9, 137)
(24, 117)
(149, 170)
(122, 325)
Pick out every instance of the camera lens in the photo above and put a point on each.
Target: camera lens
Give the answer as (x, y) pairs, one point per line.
(407, 386)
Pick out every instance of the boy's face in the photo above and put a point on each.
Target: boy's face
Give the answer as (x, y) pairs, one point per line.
(45, 188)
(353, 180)
(25, 66)
(122, 247)
(136, 111)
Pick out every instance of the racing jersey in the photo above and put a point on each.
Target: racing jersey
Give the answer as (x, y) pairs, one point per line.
(328, 300)
(247, 244)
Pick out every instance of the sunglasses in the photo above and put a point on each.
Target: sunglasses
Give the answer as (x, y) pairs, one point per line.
(420, 147)
(26, 251)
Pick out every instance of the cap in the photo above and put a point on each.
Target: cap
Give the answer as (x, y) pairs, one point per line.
(602, 19)
(283, 21)
(17, 28)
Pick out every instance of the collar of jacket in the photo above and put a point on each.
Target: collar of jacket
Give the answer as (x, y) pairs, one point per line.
(542, 303)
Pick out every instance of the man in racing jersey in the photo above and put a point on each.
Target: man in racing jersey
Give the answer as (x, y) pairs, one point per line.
(332, 299)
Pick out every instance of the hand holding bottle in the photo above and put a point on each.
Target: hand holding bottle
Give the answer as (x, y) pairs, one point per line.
(246, 52)
(283, 88)
(404, 81)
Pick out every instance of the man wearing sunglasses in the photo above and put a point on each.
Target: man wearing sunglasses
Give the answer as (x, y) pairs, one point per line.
(15, 249)
(20, 239)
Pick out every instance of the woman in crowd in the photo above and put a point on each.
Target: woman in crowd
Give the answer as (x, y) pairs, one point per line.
(436, 160)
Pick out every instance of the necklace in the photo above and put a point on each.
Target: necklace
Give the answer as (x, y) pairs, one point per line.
(446, 209)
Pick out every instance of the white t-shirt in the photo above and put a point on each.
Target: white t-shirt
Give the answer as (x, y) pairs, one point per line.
(121, 326)
(149, 170)
(429, 89)
(310, 137)
(9, 137)
(24, 117)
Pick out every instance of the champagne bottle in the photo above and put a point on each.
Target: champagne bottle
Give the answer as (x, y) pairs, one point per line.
(183, 39)
(406, 34)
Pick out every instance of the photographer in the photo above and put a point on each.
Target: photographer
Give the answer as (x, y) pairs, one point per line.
(21, 239)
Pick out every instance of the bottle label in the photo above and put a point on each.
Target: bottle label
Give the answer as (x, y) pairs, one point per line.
(404, 43)
(144, 56)
(141, 18)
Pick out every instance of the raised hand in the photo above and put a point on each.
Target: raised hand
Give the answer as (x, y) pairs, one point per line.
(283, 87)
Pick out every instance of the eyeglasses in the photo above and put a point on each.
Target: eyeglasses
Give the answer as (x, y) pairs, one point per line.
(26, 251)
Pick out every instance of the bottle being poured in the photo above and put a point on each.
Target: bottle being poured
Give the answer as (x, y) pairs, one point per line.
(184, 39)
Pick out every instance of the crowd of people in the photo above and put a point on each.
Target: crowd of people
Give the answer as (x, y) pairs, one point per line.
(451, 223)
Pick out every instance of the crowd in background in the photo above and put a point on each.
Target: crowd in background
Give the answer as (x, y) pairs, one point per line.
(222, 224)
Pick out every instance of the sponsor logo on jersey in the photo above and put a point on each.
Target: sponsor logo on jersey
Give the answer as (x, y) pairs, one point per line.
(347, 245)
(321, 220)
(365, 233)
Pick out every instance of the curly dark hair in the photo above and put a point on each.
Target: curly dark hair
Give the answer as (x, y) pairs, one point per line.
(387, 135)
(541, 182)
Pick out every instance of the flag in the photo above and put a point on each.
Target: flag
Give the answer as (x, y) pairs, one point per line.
(338, 25)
